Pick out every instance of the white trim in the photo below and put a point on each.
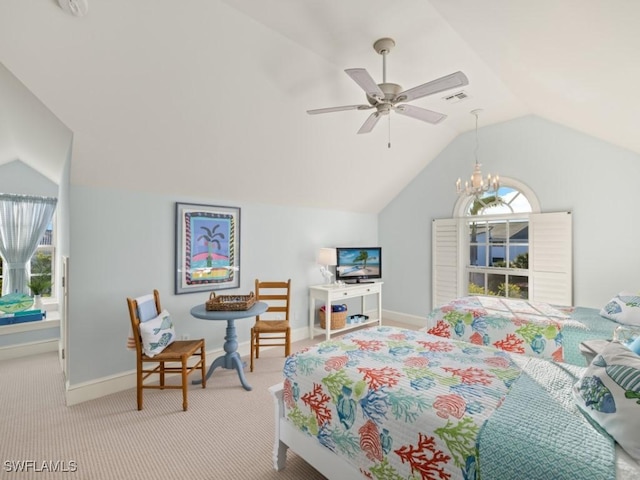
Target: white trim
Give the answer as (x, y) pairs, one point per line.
(92, 389)
(30, 348)
(415, 320)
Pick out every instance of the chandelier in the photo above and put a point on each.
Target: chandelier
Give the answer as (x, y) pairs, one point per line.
(478, 185)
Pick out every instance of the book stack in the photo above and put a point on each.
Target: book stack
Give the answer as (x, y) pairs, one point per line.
(24, 316)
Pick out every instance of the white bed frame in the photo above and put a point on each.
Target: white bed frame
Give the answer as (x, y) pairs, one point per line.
(334, 467)
(288, 436)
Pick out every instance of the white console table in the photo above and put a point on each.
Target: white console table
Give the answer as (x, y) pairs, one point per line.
(335, 293)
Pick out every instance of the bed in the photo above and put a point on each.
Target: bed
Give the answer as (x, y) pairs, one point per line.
(520, 326)
(385, 402)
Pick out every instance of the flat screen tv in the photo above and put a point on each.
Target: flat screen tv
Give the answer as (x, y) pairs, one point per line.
(358, 264)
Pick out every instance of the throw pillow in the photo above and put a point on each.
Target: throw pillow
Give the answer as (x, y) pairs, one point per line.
(609, 393)
(156, 334)
(623, 308)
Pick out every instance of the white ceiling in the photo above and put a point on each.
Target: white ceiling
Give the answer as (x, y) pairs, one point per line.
(208, 97)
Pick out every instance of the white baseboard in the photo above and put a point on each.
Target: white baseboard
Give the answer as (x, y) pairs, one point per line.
(414, 320)
(85, 391)
(30, 348)
(93, 389)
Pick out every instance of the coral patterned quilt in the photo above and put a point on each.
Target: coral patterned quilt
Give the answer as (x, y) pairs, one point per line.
(398, 404)
(517, 326)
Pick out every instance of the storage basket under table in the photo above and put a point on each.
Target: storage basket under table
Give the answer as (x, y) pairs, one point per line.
(338, 320)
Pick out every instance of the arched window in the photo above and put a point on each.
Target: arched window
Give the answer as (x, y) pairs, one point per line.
(497, 240)
(485, 249)
(512, 197)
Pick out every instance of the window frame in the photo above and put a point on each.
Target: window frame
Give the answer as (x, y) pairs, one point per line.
(550, 252)
(487, 269)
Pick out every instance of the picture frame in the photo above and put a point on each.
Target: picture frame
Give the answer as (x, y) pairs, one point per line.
(207, 247)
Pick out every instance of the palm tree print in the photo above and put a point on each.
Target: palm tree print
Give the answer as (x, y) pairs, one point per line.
(209, 239)
(362, 257)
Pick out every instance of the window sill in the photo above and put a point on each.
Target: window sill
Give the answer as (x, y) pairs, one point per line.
(52, 321)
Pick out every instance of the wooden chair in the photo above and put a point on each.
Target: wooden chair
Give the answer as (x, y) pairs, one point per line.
(271, 327)
(179, 351)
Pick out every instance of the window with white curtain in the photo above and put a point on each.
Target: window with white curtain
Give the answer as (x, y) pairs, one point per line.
(42, 262)
(26, 243)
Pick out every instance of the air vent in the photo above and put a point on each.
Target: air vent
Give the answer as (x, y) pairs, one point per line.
(456, 97)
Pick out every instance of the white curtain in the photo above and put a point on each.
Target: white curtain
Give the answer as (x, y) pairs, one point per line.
(23, 221)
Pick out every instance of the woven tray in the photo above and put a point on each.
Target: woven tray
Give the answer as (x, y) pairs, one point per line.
(338, 320)
(230, 302)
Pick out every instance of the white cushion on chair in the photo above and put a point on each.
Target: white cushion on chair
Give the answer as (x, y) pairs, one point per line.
(157, 333)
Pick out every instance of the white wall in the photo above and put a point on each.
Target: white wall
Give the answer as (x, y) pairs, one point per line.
(122, 245)
(566, 169)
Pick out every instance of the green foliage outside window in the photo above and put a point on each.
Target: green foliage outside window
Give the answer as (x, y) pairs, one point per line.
(41, 282)
(521, 261)
(514, 291)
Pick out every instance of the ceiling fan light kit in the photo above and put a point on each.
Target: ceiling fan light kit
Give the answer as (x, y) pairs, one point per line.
(385, 97)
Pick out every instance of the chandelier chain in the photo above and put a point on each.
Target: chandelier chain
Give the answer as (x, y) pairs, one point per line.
(477, 185)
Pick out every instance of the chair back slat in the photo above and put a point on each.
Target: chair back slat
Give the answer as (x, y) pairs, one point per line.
(277, 295)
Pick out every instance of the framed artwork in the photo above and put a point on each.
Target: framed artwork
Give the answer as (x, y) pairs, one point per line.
(207, 247)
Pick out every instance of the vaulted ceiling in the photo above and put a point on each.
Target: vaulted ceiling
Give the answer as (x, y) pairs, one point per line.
(209, 97)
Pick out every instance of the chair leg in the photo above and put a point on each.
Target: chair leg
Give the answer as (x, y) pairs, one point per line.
(184, 383)
(139, 386)
(287, 343)
(252, 350)
(162, 375)
(204, 366)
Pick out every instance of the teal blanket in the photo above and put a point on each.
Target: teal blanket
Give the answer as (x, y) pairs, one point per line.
(539, 433)
(596, 328)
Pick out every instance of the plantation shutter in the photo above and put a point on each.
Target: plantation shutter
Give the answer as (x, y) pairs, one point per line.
(445, 268)
(550, 258)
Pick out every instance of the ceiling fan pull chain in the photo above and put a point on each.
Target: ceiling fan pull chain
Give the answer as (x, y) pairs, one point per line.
(389, 143)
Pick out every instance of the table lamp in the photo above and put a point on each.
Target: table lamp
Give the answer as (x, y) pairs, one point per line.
(326, 258)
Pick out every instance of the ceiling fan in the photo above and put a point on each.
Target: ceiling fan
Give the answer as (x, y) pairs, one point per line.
(385, 97)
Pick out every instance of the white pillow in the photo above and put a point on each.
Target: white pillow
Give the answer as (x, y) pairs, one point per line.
(609, 393)
(157, 333)
(623, 308)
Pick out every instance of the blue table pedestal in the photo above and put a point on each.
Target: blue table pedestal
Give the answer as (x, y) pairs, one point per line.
(231, 359)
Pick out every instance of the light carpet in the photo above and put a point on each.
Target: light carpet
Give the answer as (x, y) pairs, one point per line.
(227, 432)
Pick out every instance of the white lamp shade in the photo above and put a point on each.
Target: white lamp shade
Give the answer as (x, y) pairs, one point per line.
(327, 256)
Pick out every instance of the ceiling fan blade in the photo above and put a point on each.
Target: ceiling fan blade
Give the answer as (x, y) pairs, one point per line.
(368, 84)
(420, 113)
(339, 109)
(457, 79)
(368, 125)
